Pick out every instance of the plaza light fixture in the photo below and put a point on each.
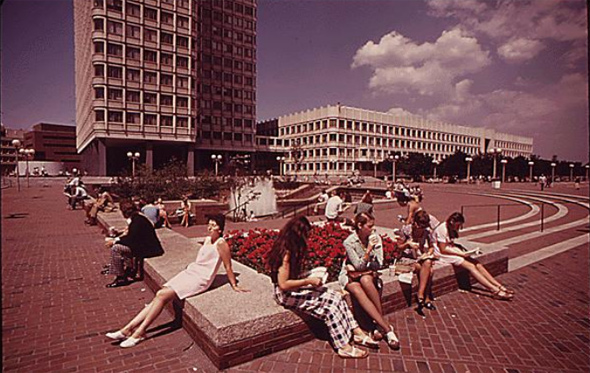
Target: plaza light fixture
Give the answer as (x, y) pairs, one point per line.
(468, 160)
(281, 160)
(531, 164)
(435, 162)
(587, 167)
(553, 164)
(216, 158)
(495, 153)
(133, 157)
(504, 161)
(393, 158)
(572, 171)
(17, 144)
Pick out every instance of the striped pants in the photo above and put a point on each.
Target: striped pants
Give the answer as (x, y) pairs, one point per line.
(119, 254)
(324, 304)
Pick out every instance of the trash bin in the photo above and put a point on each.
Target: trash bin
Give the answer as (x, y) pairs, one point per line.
(496, 184)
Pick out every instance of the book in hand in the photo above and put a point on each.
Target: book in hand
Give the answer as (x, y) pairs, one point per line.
(471, 252)
(319, 272)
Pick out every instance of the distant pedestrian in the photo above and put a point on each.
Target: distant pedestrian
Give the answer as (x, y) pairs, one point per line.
(577, 183)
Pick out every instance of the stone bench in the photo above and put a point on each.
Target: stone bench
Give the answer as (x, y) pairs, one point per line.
(233, 328)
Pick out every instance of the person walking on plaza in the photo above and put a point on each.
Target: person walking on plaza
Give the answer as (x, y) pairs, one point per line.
(195, 279)
(449, 253)
(364, 256)
(140, 241)
(307, 295)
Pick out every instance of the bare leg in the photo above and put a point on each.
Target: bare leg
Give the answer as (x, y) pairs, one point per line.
(162, 297)
(487, 274)
(359, 293)
(424, 271)
(133, 324)
(368, 284)
(478, 275)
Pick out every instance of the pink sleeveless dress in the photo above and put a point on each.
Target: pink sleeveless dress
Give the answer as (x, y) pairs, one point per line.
(199, 275)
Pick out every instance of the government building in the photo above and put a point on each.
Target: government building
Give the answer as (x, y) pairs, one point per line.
(165, 78)
(339, 140)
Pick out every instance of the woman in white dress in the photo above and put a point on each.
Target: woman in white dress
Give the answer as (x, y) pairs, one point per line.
(195, 279)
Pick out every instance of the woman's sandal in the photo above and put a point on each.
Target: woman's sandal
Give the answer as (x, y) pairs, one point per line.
(506, 290)
(376, 335)
(502, 295)
(354, 353)
(429, 306)
(391, 339)
(365, 341)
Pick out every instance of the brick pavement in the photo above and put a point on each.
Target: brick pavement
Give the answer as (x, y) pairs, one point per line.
(55, 310)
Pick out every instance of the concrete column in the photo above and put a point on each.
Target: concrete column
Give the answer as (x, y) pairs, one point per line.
(190, 161)
(149, 155)
(101, 152)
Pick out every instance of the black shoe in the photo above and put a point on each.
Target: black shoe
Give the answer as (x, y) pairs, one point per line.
(118, 282)
(430, 306)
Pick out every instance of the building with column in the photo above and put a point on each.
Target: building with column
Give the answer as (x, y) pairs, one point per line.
(165, 78)
(339, 140)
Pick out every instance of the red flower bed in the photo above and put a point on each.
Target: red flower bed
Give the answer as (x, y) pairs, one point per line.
(325, 248)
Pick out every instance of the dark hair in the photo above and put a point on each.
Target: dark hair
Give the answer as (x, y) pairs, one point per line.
(219, 219)
(293, 239)
(361, 219)
(367, 198)
(401, 197)
(422, 219)
(127, 208)
(455, 217)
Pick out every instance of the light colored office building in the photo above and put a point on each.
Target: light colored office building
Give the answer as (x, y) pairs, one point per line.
(165, 78)
(340, 139)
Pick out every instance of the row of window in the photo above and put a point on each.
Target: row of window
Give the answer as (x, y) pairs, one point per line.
(227, 92)
(135, 32)
(133, 8)
(115, 116)
(512, 145)
(227, 107)
(220, 16)
(227, 136)
(376, 128)
(131, 96)
(207, 30)
(227, 62)
(145, 76)
(135, 54)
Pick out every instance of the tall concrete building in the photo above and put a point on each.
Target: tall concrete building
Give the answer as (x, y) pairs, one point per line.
(165, 78)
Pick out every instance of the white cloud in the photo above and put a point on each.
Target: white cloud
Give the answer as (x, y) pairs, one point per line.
(520, 50)
(399, 112)
(401, 65)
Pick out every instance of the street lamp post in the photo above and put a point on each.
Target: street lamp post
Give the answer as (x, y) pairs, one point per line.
(393, 159)
(216, 158)
(531, 164)
(281, 160)
(504, 161)
(375, 162)
(468, 160)
(435, 162)
(587, 167)
(133, 157)
(553, 172)
(495, 152)
(27, 153)
(572, 172)
(16, 143)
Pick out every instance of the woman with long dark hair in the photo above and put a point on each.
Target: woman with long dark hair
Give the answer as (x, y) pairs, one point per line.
(307, 295)
(448, 252)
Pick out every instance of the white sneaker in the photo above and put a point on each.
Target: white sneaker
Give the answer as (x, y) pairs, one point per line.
(118, 335)
(131, 342)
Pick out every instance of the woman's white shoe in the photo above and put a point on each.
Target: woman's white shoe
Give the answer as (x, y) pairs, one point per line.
(131, 342)
(118, 335)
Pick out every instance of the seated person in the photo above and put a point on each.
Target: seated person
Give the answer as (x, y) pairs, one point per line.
(163, 214)
(364, 253)
(152, 212)
(416, 244)
(308, 295)
(449, 253)
(103, 203)
(79, 194)
(195, 279)
(140, 241)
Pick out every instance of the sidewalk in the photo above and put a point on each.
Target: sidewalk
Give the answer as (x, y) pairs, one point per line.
(56, 310)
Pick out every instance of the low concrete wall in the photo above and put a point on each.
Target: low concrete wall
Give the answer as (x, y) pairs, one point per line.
(233, 328)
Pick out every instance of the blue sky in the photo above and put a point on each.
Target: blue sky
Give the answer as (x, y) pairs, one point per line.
(516, 66)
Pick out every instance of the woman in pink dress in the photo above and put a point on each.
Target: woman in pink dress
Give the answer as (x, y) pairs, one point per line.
(195, 279)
